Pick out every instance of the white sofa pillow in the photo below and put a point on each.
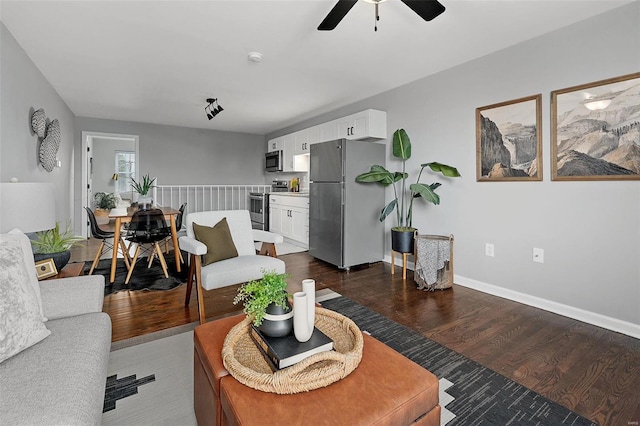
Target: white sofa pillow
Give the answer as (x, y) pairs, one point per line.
(21, 323)
(27, 252)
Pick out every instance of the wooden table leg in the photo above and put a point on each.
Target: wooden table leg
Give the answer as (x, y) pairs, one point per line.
(116, 242)
(174, 238)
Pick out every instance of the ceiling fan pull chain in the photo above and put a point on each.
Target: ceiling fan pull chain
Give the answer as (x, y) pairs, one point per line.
(375, 24)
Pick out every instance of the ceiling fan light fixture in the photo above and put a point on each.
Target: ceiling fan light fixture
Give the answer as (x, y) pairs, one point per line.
(426, 9)
(596, 104)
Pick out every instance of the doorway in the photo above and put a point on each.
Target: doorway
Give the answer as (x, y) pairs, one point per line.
(102, 160)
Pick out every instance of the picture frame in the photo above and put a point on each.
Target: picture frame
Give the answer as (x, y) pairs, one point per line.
(595, 130)
(509, 140)
(45, 269)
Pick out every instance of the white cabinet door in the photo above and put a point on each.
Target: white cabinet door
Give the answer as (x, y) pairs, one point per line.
(298, 218)
(275, 145)
(313, 135)
(366, 125)
(288, 148)
(329, 131)
(275, 219)
(289, 217)
(301, 142)
(287, 223)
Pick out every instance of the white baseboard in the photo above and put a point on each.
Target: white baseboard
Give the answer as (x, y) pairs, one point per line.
(593, 318)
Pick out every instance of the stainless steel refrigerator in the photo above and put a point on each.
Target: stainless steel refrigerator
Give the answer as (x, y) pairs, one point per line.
(344, 225)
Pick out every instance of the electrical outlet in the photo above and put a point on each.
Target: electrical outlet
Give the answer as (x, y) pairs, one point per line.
(538, 255)
(488, 250)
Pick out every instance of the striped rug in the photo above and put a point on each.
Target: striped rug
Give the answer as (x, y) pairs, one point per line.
(480, 395)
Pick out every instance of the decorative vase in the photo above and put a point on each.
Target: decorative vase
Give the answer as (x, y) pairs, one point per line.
(60, 259)
(301, 314)
(402, 241)
(145, 202)
(278, 321)
(304, 310)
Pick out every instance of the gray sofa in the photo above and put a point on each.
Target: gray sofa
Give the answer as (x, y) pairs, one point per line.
(61, 379)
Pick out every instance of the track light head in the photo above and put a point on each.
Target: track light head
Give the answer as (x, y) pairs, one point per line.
(211, 110)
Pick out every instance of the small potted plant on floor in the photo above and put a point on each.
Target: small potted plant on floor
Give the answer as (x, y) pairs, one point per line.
(266, 302)
(143, 187)
(402, 234)
(54, 244)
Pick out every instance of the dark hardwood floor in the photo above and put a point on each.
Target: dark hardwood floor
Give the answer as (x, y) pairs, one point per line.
(590, 370)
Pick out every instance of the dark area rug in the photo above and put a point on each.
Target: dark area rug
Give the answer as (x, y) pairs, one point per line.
(482, 396)
(142, 278)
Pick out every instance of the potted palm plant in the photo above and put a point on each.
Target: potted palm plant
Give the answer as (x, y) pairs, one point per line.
(143, 187)
(54, 244)
(402, 233)
(266, 301)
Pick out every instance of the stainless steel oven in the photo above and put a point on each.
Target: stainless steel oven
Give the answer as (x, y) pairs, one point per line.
(259, 210)
(273, 161)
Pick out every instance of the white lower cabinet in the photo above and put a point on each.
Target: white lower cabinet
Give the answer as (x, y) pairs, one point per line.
(289, 217)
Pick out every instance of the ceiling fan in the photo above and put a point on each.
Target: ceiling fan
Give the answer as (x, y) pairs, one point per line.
(426, 9)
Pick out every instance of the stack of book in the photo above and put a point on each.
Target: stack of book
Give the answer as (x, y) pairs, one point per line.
(282, 352)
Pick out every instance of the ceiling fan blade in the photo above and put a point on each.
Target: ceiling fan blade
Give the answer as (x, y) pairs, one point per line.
(337, 13)
(426, 9)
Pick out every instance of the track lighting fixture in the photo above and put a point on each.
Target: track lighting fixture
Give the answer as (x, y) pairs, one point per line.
(212, 110)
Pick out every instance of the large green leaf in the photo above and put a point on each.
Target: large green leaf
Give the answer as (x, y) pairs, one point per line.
(399, 176)
(426, 191)
(376, 174)
(448, 171)
(388, 209)
(401, 145)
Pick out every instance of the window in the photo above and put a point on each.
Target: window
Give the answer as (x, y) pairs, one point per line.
(125, 168)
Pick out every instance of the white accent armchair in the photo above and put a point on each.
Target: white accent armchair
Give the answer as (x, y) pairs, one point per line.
(247, 266)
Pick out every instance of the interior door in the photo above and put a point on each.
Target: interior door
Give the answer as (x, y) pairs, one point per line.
(89, 188)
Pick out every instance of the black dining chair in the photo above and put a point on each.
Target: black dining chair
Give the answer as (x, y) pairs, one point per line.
(148, 227)
(179, 217)
(104, 237)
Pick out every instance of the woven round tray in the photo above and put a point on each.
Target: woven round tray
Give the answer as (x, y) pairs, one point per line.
(243, 360)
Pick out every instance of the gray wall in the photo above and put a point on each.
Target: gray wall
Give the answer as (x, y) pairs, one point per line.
(104, 151)
(180, 155)
(590, 231)
(23, 89)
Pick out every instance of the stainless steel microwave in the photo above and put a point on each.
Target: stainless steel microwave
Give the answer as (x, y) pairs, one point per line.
(273, 161)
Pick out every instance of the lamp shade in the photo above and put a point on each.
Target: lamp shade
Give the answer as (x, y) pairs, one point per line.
(28, 206)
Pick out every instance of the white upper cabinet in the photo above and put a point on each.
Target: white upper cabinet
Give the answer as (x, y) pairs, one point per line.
(288, 149)
(302, 142)
(369, 125)
(275, 144)
(313, 134)
(366, 125)
(329, 131)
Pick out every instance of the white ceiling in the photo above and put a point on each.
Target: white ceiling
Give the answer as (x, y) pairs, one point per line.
(157, 61)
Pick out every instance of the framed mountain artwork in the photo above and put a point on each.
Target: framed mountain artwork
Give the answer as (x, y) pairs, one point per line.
(595, 130)
(509, 141)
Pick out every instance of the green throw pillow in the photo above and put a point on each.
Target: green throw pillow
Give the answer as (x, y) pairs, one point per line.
(218, 241)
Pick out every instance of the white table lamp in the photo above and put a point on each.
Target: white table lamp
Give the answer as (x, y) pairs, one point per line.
(28, 206)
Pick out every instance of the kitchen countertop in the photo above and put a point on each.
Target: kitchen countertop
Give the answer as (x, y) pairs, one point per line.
(291, 194)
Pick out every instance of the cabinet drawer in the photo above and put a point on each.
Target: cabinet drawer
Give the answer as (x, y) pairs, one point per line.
(291, 201)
